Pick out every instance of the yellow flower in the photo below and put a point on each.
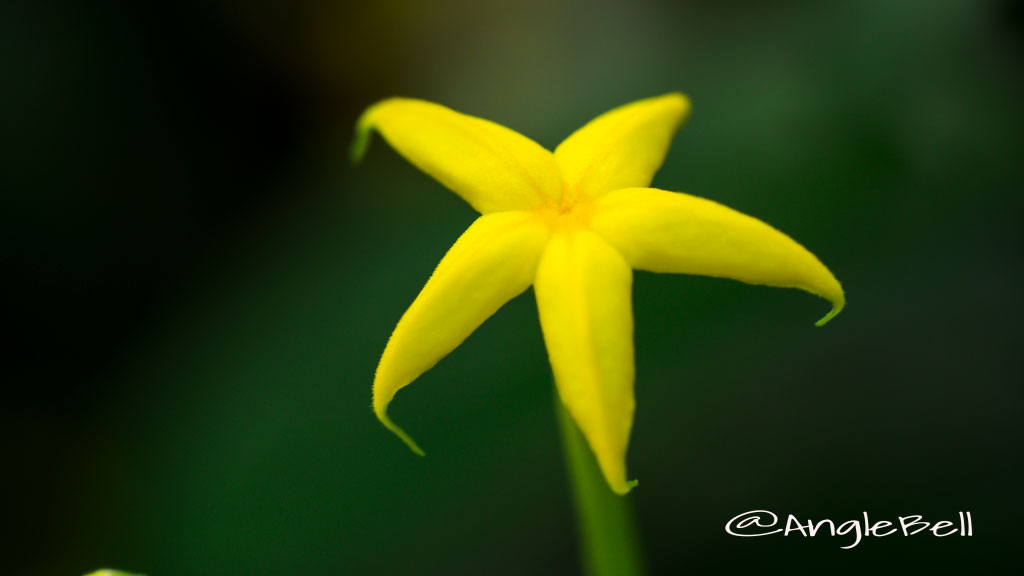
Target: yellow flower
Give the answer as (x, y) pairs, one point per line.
(573, 224)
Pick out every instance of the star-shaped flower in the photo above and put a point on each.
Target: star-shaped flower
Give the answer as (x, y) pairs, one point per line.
(573, 224)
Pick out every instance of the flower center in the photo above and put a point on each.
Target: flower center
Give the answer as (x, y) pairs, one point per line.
(571, 212)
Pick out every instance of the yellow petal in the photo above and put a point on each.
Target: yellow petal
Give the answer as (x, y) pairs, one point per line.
(623, 147)
(583, 292)
(664, 231)
(491, 167)
(493, 261)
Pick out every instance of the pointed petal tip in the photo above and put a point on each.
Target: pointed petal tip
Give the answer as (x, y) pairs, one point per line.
(678, 96)
(680, 100)
(390, 425)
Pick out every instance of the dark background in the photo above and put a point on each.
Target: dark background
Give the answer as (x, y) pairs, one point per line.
(199, 286)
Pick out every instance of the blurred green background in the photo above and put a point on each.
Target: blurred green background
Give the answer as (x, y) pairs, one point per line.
(200, 285)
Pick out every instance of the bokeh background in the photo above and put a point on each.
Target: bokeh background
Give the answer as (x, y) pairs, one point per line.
(199, 285)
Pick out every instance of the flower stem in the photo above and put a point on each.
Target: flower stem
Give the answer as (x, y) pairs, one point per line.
(609, 541)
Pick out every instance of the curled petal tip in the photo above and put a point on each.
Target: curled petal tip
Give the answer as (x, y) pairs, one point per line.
(363, 132)
(358, 148)
(387, 422)
(626, 487)
(360, 142)
(837, 307)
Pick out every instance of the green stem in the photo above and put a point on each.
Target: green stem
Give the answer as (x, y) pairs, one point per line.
(608, 537)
